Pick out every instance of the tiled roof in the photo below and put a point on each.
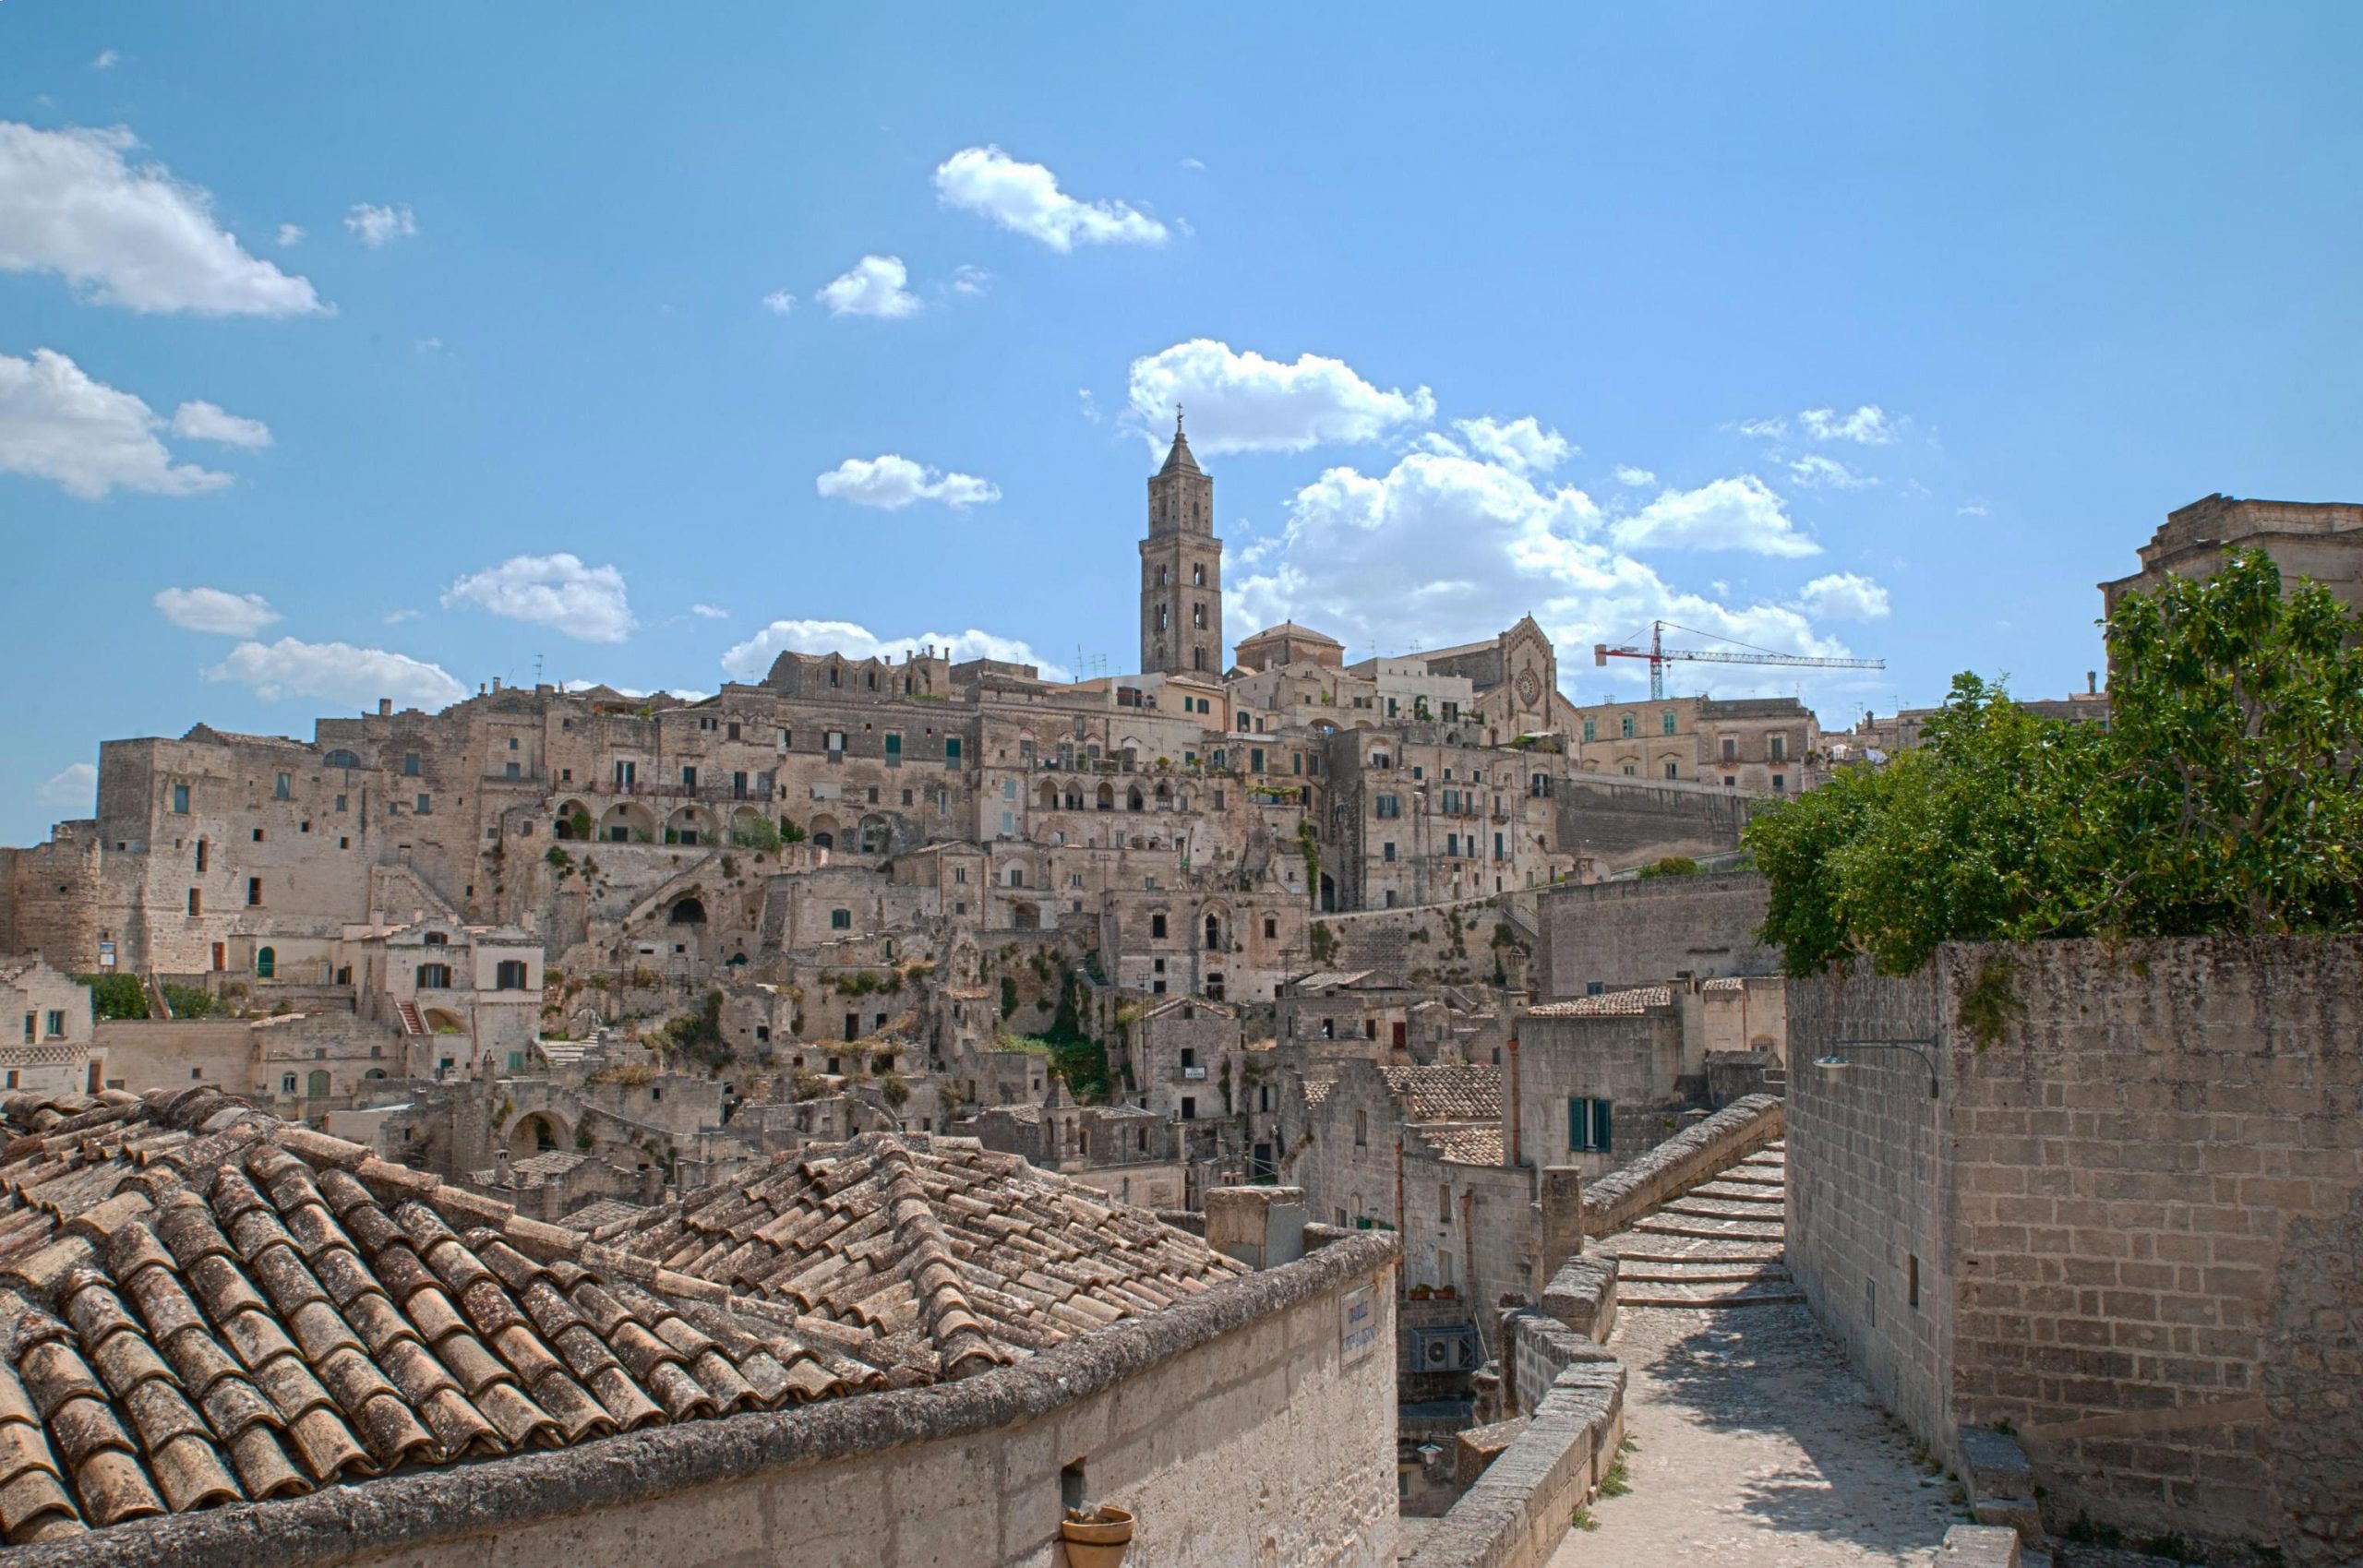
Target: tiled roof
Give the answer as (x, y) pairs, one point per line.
(1457, 1092)
(1466, 1145)
(1725, 983)
(603, 1211)
(1316, 1090)
(1614, 1004)
(200, 1304)
(934, 1254)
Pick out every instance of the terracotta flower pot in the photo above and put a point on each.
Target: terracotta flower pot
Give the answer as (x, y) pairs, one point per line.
(1100, 1544)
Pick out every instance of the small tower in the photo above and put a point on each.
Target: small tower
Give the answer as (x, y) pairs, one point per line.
(1182, 569)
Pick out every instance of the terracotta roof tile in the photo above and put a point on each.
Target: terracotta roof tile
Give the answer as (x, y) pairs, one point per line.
(1454, 1092)
(1612, 1004)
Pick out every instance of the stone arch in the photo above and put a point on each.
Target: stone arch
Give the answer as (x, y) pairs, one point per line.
(1107, 798)
(1213, 926)
(1025, 915)
(442, 1020)
(1133, 799)
(747, 825)
(689, 824)
(1049, 794)
(826, 829)
(628, 821)
(1164, 795)
(876, 834)
(573, 821)
(538, 1132)
(687, 910)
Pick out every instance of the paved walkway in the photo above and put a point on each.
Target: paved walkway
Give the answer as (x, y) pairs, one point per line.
(1754, 1443)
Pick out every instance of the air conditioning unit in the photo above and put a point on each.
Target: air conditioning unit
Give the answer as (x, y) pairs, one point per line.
(1445, 1349)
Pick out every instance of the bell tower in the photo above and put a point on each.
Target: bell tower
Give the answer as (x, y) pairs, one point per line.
(1182, 569)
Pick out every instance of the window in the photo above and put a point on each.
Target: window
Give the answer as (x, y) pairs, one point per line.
(254, 890)
(1188, 1107)
(1912, 1282)
(1666, 719)
(841, 920)
(1780, 748)
(1591, 730)
(180, 799)
(1444, 1208)
(1590, 1125)
(1198, 575)
(627, 774)
(1271, 927)
(286, 1082)
(508, 974)
(1625, 727)
(256, 835)
(1389, 806)
(283, 786)
(688, 778)
(266, 964)
(434, 978)
(57, 1023)
(1780, 784)
(1731, 748)
(894, 750)
(1157, 927)
(425, 805)
(315, 1084)
(1362, 1129)
(30, 1025)
(1386, 852)
(195, 902)
(410, 765)
(201, 855)
(1673, 769)
(951, 750)
(833, 743)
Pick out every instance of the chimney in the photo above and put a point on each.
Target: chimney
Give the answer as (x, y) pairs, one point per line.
(1513, 1147)
(2092, 683)
(385, 707)
(501, 1168)
(496, 682)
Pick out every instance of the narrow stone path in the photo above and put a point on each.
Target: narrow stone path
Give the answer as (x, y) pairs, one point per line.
(1754, 1442)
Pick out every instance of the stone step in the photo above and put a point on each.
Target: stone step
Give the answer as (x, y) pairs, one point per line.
(1772, 1192)
(1725, 1208)
(1708, 1273)
(1708, 1229)
(1730, 1255)
(1755, 1175)
(1709, 1296)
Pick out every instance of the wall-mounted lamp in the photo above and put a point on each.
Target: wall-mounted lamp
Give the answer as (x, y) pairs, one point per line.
(1830, 1061)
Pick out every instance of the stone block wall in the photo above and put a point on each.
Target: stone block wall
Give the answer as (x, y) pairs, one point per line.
(2135, 1219)
(1682, 1162)
(1644, 933)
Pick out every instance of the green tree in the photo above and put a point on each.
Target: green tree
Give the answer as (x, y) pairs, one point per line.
(2222, 797)
(116, 995)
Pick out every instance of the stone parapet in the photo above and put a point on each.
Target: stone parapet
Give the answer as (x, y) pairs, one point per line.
(1519, 1511)
(1682, 1162)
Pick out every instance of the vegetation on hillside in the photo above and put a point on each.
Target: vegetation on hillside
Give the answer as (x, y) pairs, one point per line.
(2225, 795)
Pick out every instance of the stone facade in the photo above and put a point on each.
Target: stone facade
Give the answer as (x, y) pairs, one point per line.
(1613, 936)
(47, 1030)
(2321, 540)
(2127, 1227)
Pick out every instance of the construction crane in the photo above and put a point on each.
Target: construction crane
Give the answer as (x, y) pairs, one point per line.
(1660, 655)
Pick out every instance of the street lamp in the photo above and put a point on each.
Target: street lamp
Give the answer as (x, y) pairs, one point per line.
(1830, 1061)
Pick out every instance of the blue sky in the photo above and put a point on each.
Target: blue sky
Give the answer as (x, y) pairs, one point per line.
(1887, 330)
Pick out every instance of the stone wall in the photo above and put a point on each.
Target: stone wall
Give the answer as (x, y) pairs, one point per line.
(2134, 1219)
(1645, 932)
(1243, 1427)
(1634, 1060)
(1621, 823)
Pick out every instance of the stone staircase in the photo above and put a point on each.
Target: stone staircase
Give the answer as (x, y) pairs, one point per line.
(1721, 1244)
(411, 1022)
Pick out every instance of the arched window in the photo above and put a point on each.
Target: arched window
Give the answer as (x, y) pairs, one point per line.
(1213, 933)
(266, 962)
(1198, 658)
(1160, 617)
(1133, 799)
(316, 1084)
(341, 759)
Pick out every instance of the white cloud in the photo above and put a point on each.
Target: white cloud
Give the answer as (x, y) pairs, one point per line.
(1844, 596)
(1971, 509)
(1763, 429)
(1816, 472)
(559, 592)
(290, 234)
(751, 659)
(779, 302)
(398, 616)
(1867, 425)
(875, 286)
(1243, 403)
(1634, 478)
(969, 281)
(1024, 198)
(1193, 163)
(74, 787)
(428, 345)
(891, 483)
(1440, 549)
(58, 424)
(134, 237)
(1520, 444)
(1724, 514)
(709, 612)
(378, 226)
(216, 610)
(201, 420)
(336, 672)
(105, 60)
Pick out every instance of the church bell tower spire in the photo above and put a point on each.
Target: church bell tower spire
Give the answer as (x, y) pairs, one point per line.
(1182, 569)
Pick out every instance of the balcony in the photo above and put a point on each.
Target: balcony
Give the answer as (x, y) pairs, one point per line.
(758, 788)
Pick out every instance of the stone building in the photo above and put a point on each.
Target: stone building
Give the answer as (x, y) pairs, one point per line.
(1182, 569)
(2322, 540)
(49, 1038)
(1614, 935)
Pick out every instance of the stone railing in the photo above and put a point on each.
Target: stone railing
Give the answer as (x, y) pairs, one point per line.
(1516, 1514)
(1693, 1156)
